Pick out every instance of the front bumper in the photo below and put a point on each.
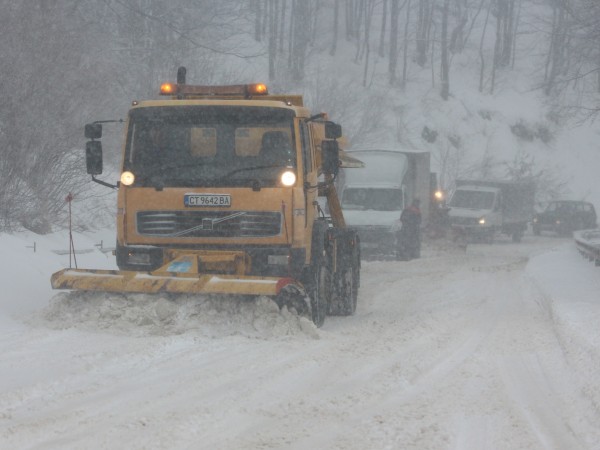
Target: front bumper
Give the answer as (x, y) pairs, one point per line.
(264, 261)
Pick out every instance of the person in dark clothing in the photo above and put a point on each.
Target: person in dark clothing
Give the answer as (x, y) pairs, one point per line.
(409, 236)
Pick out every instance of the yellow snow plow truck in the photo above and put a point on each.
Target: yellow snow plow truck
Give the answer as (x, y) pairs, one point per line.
(218, 194)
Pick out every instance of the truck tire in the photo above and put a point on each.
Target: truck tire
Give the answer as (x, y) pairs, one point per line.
(318, 279)
(352, 297)
(319, 291)
(347, 279)
(352, 282)
(344, 301)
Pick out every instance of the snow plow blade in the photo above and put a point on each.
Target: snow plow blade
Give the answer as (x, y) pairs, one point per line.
(223, 273)
(154, 282)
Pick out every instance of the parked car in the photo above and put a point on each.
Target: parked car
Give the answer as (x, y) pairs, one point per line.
(564, 217)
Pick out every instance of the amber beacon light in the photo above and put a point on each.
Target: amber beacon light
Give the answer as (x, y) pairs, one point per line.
(168, 89)
(258, 89)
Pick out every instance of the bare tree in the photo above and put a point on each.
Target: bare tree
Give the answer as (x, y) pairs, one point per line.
(35, 143)
(299, 38)
(361, 6)
(384, 10)
(336, 13)
(574, 51)
(272, 15)
(445, 64)
(515, 33)
(504, 11)
(369, 8)
(481, 53)
(352, 20)
(457, 36)
(68, 61)
(258, 18)
(393, 60)
(557, 49)
(405, 50)
(282, 22)
(424, 22)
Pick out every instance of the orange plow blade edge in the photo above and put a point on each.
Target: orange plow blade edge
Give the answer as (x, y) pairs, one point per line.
(155, 282)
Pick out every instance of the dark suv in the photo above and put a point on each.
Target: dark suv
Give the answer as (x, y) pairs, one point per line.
(564, 217)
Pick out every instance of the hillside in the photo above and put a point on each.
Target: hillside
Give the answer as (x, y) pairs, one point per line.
(531, 114)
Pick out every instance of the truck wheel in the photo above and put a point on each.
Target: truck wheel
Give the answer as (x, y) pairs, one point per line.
(351, 292)
(346, 293)
(355, 274)
(516, 236)
(319, 292)
(536, 230)
(353, 283)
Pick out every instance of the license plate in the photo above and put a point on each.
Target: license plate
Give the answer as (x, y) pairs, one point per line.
(207, 200)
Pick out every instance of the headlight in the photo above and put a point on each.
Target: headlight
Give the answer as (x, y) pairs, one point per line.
(535, 219)
(288, 178)
(127, 178)
(482, 221)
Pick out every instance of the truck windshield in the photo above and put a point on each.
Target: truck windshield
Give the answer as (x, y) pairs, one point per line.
(377, 199)
(209, 145)
(472, 199)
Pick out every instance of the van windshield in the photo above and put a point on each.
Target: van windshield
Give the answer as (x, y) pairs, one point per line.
(209, 145)
(377, 199)
(472, 199)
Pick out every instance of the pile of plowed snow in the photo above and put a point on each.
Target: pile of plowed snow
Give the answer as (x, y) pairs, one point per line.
(164, 314)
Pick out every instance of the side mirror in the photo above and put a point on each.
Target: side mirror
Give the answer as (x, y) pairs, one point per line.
(332, 130)
(330, 157)
(93, 131)
(93, 157)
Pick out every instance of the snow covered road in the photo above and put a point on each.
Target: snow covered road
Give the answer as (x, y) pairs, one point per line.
(498, 348)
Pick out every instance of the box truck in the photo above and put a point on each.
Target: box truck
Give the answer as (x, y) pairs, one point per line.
(486, 208)
(373, 197)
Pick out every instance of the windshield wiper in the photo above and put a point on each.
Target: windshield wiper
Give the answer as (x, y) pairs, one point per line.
(244, 169)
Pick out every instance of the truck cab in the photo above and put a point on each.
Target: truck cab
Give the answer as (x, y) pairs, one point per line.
(477, 210)
(210, 174)
(485, 208)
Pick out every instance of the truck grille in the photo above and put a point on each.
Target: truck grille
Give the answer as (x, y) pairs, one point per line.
(209, 223)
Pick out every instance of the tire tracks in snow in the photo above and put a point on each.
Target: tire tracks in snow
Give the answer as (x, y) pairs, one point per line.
(402, 377)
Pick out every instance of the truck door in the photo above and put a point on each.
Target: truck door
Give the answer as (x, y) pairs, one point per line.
(309, 173)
